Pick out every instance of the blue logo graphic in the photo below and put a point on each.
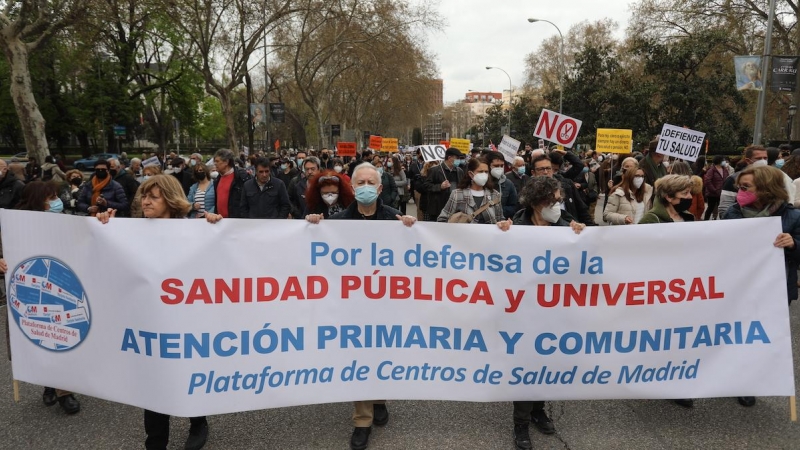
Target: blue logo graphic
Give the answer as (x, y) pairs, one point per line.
(49, 304)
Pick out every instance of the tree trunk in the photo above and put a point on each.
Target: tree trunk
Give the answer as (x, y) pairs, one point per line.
(321, 129)
(30, 117)
(230, 123)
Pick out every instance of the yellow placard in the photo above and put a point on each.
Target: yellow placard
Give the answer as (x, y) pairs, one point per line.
(461, 144)
(389, 145)
(610, 140)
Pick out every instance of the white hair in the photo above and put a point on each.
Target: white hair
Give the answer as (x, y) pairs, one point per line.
(366, 165)
(136, 160)
(518, 159)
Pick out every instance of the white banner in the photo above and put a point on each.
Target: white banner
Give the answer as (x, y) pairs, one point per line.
(680, 142)
(334, 312)
(152, 161)
(509, 148)
(432, 152)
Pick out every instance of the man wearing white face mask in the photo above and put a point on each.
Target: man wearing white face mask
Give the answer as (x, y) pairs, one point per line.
(508, 193)
(754, 155)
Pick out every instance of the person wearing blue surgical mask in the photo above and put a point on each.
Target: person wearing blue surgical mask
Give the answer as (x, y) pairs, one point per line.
(518, 174)
(367, 188)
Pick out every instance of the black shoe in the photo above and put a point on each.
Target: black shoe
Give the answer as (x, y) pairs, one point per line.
(746, 401)
(360, 438)
(49, 397)
(685, 402)
(380, 415)
(542, 422)
(69, 404)
(521, 437)
(198, 435)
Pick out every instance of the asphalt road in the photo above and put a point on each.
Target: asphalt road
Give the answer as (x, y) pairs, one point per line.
(631, 424)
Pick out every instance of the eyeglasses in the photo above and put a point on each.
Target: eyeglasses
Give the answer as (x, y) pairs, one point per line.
(333, 178)
(101, 170)
(543, 169)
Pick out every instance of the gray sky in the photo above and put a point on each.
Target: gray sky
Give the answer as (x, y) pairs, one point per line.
(484, 33)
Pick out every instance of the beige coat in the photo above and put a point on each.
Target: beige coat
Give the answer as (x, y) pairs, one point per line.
(619, 207)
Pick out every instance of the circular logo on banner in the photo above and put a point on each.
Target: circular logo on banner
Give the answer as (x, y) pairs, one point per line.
(48, 303)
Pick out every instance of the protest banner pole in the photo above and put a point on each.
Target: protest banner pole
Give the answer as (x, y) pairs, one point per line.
(14, 383)
(793, 408)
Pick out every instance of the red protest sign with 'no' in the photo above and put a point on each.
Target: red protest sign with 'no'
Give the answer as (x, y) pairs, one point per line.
(558, 128)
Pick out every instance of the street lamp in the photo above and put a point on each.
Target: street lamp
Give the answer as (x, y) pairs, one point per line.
(510, 95)
(792, 112)
(560, 64)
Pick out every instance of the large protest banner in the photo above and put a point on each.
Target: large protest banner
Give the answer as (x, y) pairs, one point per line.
(439, 311)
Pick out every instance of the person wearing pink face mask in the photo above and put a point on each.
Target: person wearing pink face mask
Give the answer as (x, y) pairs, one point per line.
(761, 193)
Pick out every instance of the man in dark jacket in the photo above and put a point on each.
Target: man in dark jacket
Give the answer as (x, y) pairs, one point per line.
(101, 192)
(653, 164)
(441, 181)
(508, 193)
(10, 187)
(518, 175)
(368, 206)
(265, 196)
(126, 180)
(415, 175)
(228, 186)
(573, 205)
(325, 159)
(184, 176)
(297, 188)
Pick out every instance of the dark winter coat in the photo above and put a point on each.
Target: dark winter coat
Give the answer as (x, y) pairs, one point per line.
(790, 223)
(10, 191)
(382, 212)
(270, 203)
(235, 196)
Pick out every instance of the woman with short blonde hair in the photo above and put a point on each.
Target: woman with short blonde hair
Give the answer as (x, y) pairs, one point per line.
(671, 201)
(162, 197)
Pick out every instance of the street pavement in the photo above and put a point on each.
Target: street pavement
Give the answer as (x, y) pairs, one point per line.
(719, 423)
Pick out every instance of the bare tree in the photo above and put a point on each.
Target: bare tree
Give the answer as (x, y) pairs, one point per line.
(24, 26)
(335, 41)
(224, 34)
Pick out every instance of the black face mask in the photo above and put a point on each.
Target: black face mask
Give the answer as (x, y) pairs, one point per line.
(101, 174)
(199, 176)
(76, 181)
(113, 172)
(684, 204)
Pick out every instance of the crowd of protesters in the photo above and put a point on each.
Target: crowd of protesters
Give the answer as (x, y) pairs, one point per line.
(538, 187)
